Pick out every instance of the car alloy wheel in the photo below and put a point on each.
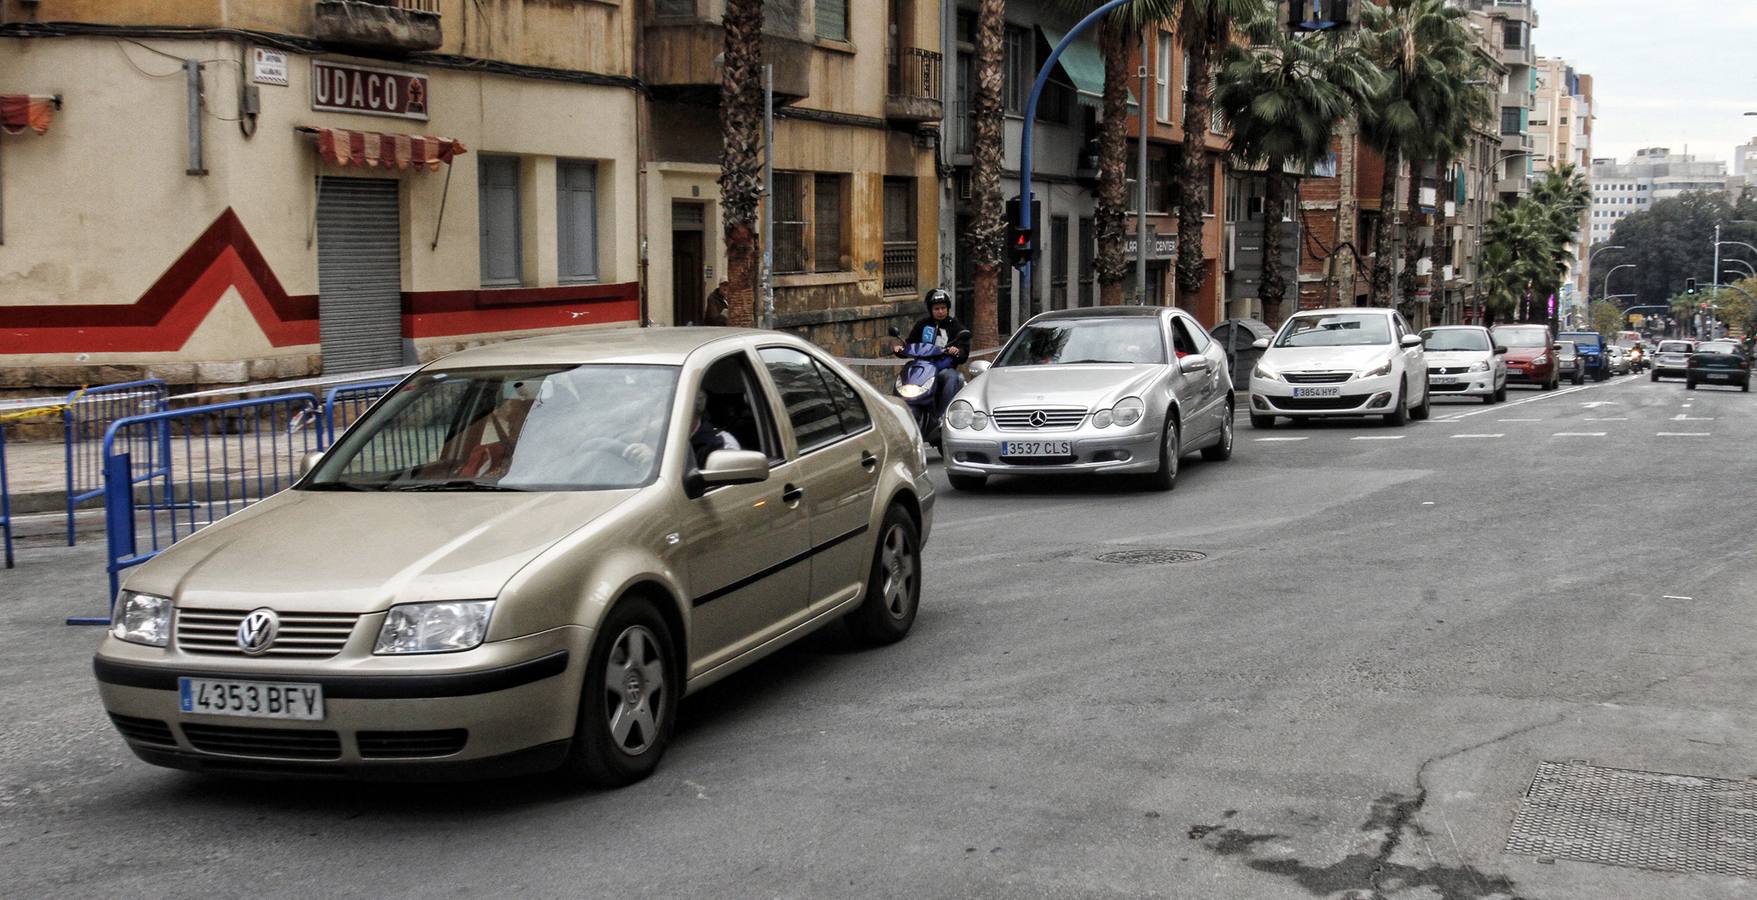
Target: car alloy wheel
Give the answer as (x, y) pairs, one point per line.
(629, 699)
(1222, 449)
(1170, 450)
(893, 587)
(635, 692)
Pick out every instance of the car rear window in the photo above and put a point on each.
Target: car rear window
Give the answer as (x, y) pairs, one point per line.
(1674, 346)
(1718, 347)
(1521, 336)
(1584, 340)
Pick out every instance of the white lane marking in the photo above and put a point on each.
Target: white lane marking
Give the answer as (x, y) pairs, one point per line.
(1680, 417)
(1681, 434)
(1456, 436)
(1379, 437)
(1551, 395)
(1578, 434)
(1617, 419)
(1598, 403)
(1674, 597)
(1519, 420)
(1285, 440)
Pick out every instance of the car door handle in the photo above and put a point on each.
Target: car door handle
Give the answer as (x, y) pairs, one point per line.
(868, 461)
(792, 494)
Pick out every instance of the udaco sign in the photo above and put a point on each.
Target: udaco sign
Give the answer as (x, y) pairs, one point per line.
(339, 87)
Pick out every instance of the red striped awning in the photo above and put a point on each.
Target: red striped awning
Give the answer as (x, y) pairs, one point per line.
(372, 150)
(21, 111)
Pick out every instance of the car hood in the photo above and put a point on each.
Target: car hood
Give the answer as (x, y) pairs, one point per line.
(1326, 358)
(1079, 385)
(1453, 358)
(318, 551)
(1524, 354)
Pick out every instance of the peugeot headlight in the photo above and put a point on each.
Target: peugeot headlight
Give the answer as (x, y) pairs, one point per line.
(911, 391)
(1264, 370)
(1128, 411)
(1383, 368)
(960, 414)
(142, 619)
(434, 627)
(1479, 367)
(1541, 361)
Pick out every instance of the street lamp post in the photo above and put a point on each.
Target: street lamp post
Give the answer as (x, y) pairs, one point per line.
(1590, 257)
(1607, 276)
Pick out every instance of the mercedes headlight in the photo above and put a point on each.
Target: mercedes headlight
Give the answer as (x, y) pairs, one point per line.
(1128, 411)
(142, 619)
(1383, 368)
(960, 414)
(911, 391)
(1103, 419)
(434, 627)
(1479, 367)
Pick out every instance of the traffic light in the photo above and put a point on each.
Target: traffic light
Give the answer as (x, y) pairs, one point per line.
(1021, 241)
(1689, 285)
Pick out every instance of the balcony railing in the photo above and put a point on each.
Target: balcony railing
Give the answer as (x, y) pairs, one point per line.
(380, 24)
(914, 90)
(900, 274)
(426, 6)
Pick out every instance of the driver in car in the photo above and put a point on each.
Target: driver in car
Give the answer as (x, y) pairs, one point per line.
(704, 436)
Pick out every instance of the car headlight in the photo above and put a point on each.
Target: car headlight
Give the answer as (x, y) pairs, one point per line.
(978, 420)
(1103, 419)
(1541, 361)
(1128, 411)
(142, 619)
(1383, 368)
(960, 414)
(911, 391)
(1265, 371)
(1480, 367)
(434, 627)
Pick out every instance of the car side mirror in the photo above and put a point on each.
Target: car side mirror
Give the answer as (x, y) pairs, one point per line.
(1410, 340)
(1500, 350)
(733, 467)
(977, 367)
(309, 461)
(1260, 344)
(1195, 362)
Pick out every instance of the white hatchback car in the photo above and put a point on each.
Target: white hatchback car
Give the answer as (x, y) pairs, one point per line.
(1465, 361)
(1341, 362)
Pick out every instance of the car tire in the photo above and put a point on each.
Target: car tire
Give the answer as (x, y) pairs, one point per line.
(1579, 377)
(1421, 413)
(1745, 386)
(1221, 450)
(967, 482)
(1399, 417)
(1501, 393)
(1263, 422)
(1489, 398)
(632, 653)
(1689, 384)
(1552, 384)
(1654, 376)
(893, 587)
(1170, 453)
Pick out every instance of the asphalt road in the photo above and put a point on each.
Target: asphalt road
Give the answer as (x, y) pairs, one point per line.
(1348, 697)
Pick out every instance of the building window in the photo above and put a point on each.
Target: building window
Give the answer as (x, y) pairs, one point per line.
(674, 8)
(1058, 262)
(827, 224)
(1016, 67)
(1088, 260)
(1511, 119)
(1162, 79)
(790, 223)
(576, 227)
(901, 249)
(497, 192)
(832, 19)
(1514, 34)
(808, 223)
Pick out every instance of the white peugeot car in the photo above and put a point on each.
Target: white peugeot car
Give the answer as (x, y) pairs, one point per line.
(1341, 362)
(1464, 361)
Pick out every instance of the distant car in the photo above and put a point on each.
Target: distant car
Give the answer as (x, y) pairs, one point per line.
(1569, 364)
(1464, 360)
(1619, 359)
(1593, 353)
(1110, 390)
(1531, 355)
(1672, 359)
(1721, 361)
(1341, 362)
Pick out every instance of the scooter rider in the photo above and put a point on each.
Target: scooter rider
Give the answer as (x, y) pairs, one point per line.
(941, 330)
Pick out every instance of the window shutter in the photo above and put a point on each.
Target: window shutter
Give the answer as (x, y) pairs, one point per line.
(576, 205)
(827, 221)
(832, 19)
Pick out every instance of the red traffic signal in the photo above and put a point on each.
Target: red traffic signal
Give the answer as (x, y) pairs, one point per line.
(1021, 241)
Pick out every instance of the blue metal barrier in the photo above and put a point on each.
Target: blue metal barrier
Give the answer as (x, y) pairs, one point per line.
(344, 405)
(208, 462)
(5, 502)
(85, 421)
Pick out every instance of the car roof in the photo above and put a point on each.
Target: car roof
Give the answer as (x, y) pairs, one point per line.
(1521, 325)
(1454, 328)
(640, 346)
(1328, 311)
(1102, 312)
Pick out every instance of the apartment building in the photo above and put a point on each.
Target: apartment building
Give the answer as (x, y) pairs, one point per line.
(1652, 175)
(1561, 131)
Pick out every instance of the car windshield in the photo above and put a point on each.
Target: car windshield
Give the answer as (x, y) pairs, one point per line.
(1584, 340)
(1335, 330)
(1134, 341)
(1565, 348)
(1521, 337)
(549, 428)
(1457, 339)
(1718, 347)
(1674, 347)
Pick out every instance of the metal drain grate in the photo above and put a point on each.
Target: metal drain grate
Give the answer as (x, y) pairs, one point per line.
(1149, 557)
(1642, 820)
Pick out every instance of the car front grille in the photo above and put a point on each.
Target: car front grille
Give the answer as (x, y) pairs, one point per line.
(1448, 388)
(410, 744)
(1448, 370)
(309, 635)
(144, 731)
(1064, 419)
(268, 743)
(1037, 460)
(1314, 404)
(1316, 377)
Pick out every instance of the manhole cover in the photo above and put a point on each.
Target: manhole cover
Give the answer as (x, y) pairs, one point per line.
(1642, 820)
(1151, 557)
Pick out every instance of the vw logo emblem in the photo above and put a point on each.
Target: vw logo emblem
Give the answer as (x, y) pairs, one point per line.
(257, 632)
(1039, 418)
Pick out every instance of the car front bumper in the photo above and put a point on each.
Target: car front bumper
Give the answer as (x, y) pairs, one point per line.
(1113, 450)
(1722, 376)
(503, 708)
(1517, 374)
(1466, 384)
(1358, 397)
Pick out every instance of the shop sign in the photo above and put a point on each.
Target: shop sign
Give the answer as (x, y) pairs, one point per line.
(270, 66)
(1158, 246)
(339, 87)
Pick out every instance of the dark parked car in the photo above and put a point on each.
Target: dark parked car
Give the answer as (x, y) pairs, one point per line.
(1724, 362)
(1569, 363)
(1594, 354)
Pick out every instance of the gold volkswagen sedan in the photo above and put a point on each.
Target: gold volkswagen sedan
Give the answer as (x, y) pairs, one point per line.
(523, 557)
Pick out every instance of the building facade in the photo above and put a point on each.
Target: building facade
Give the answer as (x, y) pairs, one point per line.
(1561, 130)
(1652, 175)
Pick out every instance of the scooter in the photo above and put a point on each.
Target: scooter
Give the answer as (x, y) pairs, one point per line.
(1637, 358)
(917, 380)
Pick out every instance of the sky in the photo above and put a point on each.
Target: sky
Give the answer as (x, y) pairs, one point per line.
(1666, 73)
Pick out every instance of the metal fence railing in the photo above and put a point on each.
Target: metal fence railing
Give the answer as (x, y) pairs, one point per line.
(85, 419)
(208, 462)
(900, 275)
(345, 404)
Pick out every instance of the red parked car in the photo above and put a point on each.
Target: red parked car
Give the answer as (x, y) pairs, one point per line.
(1531, 357)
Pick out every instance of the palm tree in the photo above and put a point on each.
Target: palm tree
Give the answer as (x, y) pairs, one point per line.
(1426, 53)
(741, 140)
(1206, 28)
(1444, 142)
(987, 237)
(1282, 98)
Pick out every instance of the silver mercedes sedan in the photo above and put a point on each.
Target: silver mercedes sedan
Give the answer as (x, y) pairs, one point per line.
(523, 557)
(1116, 390)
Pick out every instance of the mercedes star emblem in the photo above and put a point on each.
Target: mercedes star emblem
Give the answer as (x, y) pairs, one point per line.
(1039, 418)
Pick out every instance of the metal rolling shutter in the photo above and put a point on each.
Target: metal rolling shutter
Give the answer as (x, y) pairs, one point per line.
(359, 274)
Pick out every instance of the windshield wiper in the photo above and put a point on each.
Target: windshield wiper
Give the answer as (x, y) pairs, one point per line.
(458, 485)
(1112, 362)
(339, 486)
